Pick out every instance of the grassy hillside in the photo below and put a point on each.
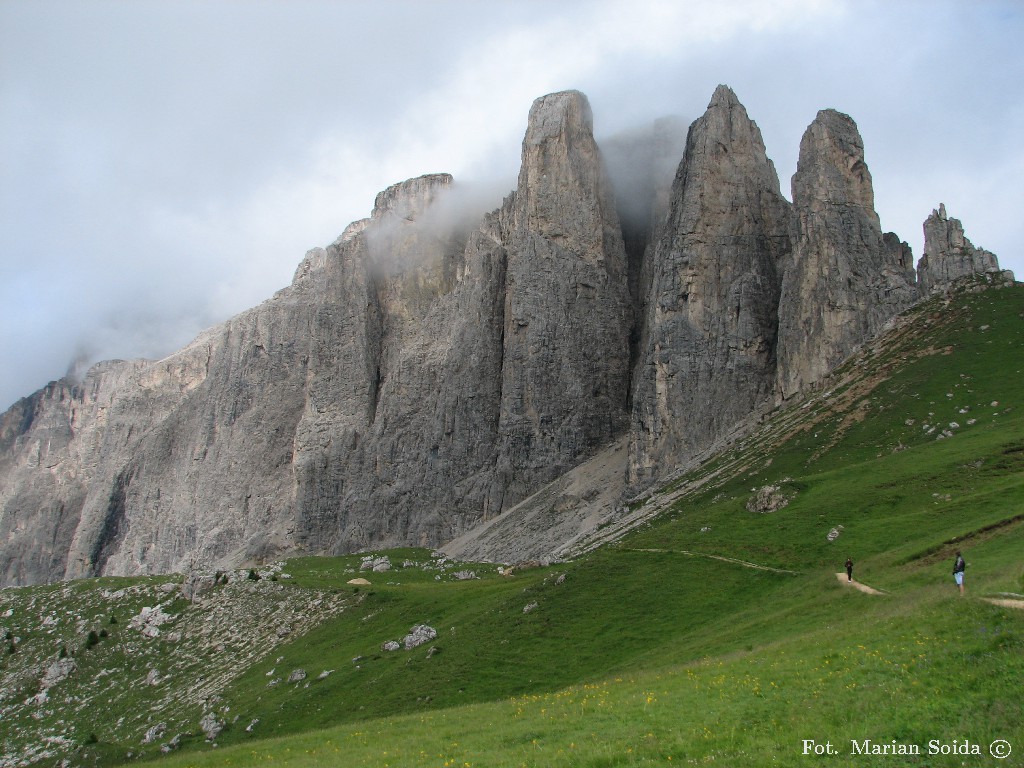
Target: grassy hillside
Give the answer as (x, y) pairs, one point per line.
(715, 632)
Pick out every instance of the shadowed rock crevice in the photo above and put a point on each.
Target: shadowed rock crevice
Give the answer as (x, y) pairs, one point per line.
(642, 165)
(111, 533)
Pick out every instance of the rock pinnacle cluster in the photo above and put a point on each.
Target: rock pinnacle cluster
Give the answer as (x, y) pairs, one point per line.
(423, 374)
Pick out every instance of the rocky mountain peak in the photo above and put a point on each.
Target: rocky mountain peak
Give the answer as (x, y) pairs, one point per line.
(423, 375)
(723, 93)
(724, 97)
(708, 349)
(948, 254)
(413, 252)
(563, 116)
(724, 131)
(563, 191)
(831, 166)
(845, 279)
(408, 200)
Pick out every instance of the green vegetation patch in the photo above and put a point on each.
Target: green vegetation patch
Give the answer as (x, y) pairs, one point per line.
(716, 632)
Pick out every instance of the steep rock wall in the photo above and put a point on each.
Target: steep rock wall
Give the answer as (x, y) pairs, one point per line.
(416, 378)
(421, 376)
(567, 314)
(49, 452)
(844, 280)
(406, 453)
(207, 476)
(707, 353)
(948, 254)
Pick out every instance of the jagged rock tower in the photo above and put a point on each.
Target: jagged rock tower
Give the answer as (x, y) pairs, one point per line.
(708, 349)
(844, 279)
(565, 376)
(948, 254)
(420, 377)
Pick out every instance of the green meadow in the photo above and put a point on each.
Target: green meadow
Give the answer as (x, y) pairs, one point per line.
(712, 634)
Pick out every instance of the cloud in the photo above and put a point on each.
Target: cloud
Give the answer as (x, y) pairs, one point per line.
(165, 165)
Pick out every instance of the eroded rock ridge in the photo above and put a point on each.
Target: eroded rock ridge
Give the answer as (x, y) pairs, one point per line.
(423, 374)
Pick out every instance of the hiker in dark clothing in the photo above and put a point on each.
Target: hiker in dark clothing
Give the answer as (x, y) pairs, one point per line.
(958, 571)
(849, 569)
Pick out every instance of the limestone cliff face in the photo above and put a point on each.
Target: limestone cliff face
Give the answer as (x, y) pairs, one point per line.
(491, 360)
(206, 475)
(413, 347)
(49, 452)
(565, 374)
(708, 350)
(416, 378)
(420, 376)
(948, 254)
(844, 279)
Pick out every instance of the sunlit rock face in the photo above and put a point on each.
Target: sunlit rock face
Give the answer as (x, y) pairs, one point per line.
(844, 280)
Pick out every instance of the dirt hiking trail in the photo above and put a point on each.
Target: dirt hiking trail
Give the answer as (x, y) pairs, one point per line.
(1005, 603)
(857, 585)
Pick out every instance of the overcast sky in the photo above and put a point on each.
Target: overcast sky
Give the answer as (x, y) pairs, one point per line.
(164, 165)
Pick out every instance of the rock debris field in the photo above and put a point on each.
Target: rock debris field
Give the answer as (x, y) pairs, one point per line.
(169, 649)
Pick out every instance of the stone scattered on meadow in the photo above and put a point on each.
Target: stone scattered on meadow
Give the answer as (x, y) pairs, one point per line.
(211, 725)
(768, 498)
(418, 635)
(58, 672)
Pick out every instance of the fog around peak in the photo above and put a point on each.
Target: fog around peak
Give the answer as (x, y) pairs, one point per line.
(641, 161)
(166, 165)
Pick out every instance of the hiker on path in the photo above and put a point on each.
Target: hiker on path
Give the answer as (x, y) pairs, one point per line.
(958, 571)
(849, 569)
